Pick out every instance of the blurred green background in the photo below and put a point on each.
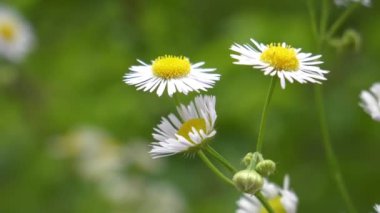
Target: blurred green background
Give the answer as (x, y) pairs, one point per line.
(73, 78)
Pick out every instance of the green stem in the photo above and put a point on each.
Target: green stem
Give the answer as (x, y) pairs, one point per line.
(264, 115)
(324, 18)
(313, 18)
(263, 201)
(338, 23)
(330, 155)
(318, 94)
(213, 168)
(221, 159)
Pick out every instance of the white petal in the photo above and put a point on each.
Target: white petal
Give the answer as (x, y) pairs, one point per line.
(169, 142)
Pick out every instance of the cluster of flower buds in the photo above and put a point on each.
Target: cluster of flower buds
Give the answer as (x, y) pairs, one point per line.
(251, 179)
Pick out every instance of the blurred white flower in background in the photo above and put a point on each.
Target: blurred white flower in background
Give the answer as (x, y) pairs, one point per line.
(119, 189)
(135, 154)
(166, 199)
(377, 208)
(370, 101)
(366, 3)
(16, 36)
(119, 171)
(97, 154)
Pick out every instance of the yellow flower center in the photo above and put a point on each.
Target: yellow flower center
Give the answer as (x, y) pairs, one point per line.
(276, 204)
(7, 31)
(281, 58)
(185, 129)
(169, 66)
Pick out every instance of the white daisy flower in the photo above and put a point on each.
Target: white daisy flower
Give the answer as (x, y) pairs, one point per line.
(377, 208)
(16, 37)
(175, 73)
(282, 200)
(189, 133)
(366, 3)
(370, 101)
(282, 60)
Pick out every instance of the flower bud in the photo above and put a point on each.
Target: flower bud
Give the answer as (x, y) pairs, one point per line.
(350, 39)
(250, 158)
(248, 181)
(247, 158)
(266, 167)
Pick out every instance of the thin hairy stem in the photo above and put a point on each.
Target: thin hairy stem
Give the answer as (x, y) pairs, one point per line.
(330, 155)
(221, 159)
(342, 18)
(213, 168)
(260, 137)
(324, 18)
(318, 94)
(313, 18)
(264, 202)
